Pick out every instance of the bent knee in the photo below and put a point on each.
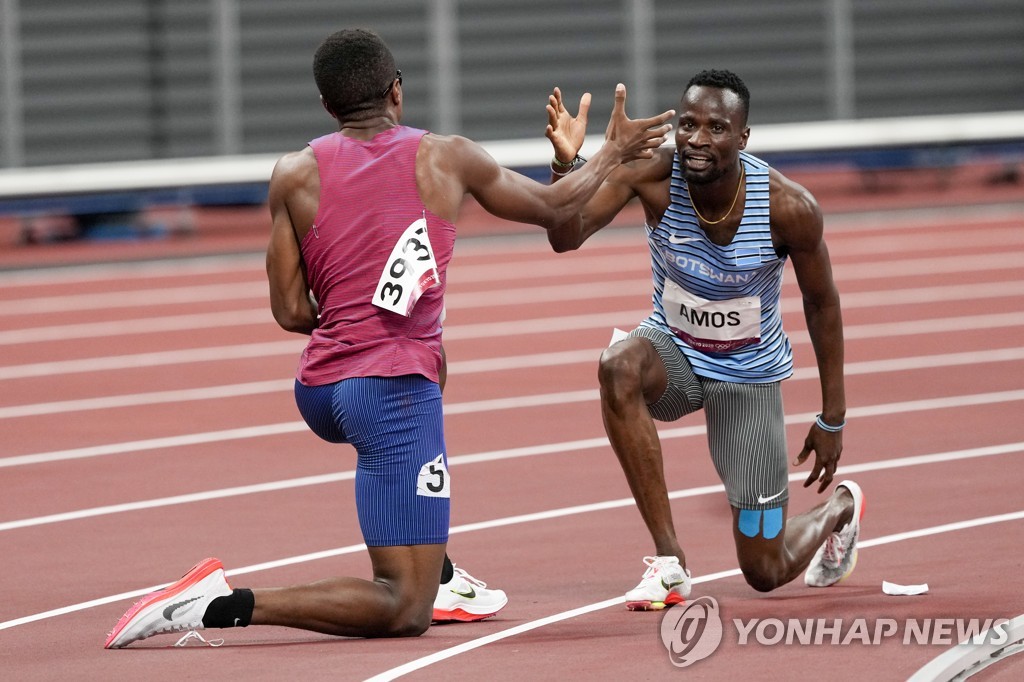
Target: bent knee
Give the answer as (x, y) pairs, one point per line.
(762, 575)
(408, 625)
(621, 367)
(617, 363)
(761, 583)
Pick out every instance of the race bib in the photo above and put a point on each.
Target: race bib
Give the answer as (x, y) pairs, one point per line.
(712, 326)
(433, 480)
(410, 270)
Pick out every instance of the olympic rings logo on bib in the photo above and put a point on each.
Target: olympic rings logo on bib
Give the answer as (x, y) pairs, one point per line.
(411, 269)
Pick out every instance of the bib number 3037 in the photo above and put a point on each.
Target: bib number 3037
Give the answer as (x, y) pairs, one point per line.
(410, 270)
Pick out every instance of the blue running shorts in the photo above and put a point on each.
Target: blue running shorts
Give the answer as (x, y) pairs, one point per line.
(403, 491)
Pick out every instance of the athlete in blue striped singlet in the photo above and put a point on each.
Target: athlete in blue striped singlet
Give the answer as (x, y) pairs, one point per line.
(721, 225)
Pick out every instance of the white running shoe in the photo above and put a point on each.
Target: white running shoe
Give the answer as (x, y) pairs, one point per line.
(665, 583)
(175, 608)
(837, 557)
(466, 599)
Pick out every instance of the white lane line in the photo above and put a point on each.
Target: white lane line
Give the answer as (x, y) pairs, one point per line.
(444, 654)
(859, 332)
(133, 298)
(154, 359)
(586, 265)
(178, 268)
(870, 367)
(907, 243)
(497, 329)
(258, 288)
(844, 230)
(300, 426)
(150, 398)
(140, 325)
(920, 362)
(568, 511)
(604, 290)
(552, 448)
(468, 248)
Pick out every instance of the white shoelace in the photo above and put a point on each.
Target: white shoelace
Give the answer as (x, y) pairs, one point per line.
(655, 564)
(192, 634)
(468, 578)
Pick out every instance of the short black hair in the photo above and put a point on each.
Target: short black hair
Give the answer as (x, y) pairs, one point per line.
(352, 68)
(726, 80)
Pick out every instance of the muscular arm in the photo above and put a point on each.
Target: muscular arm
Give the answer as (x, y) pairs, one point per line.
(646, 178)
(290, 299)
(797, 221)
(447, 168)
(450, 167)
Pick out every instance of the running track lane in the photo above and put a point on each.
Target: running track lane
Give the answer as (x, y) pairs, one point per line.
(549, 565)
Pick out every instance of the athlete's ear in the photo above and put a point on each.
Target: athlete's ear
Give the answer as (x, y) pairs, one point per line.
(744, 136)
(327, 107)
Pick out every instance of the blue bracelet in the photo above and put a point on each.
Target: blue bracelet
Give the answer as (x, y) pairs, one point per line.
(828, 427)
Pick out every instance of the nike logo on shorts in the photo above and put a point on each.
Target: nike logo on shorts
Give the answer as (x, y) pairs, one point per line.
(761, 499)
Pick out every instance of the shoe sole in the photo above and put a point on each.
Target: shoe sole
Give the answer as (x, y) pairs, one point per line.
(459, 616)
(853, 565)
(199, 572)
(671, 600)
(859, 499)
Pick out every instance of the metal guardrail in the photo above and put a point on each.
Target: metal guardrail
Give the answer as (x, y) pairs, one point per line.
(867, 143)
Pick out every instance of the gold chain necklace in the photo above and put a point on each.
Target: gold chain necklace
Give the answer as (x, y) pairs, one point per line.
(731, 206)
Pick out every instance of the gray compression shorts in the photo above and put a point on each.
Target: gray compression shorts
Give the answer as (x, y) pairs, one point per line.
(745, 423)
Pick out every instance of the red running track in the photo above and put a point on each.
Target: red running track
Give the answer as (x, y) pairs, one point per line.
(148, 422)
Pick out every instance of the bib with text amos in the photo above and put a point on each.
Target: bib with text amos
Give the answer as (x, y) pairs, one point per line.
(712, 326)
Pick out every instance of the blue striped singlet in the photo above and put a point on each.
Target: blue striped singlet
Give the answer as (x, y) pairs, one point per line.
(720, 304)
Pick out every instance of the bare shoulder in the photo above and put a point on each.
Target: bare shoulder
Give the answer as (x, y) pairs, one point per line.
(294, 169)
(446, 167)
(796, 216)
(448, 149)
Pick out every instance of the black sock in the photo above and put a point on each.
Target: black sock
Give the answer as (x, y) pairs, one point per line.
(447, 571)
(233, 610)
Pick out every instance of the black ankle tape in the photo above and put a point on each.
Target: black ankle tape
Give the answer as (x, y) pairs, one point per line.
(231, 611)
(447, 571)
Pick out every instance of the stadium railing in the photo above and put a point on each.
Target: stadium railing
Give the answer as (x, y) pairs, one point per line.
(121, 191)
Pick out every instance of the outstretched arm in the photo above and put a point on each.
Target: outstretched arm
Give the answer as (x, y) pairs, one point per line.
(801, 228)
(512, 196)
(566, 133)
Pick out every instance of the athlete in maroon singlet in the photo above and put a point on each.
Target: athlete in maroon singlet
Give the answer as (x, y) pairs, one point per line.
(355, 241)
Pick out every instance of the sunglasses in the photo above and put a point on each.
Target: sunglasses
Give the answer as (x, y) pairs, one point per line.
(398, 78)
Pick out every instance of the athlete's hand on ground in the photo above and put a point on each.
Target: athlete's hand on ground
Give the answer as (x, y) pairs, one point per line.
(635, 138)
(565, 131)
(827, 447)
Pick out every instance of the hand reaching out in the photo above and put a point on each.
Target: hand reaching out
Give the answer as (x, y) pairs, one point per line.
(635, 138)
(565, 131)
